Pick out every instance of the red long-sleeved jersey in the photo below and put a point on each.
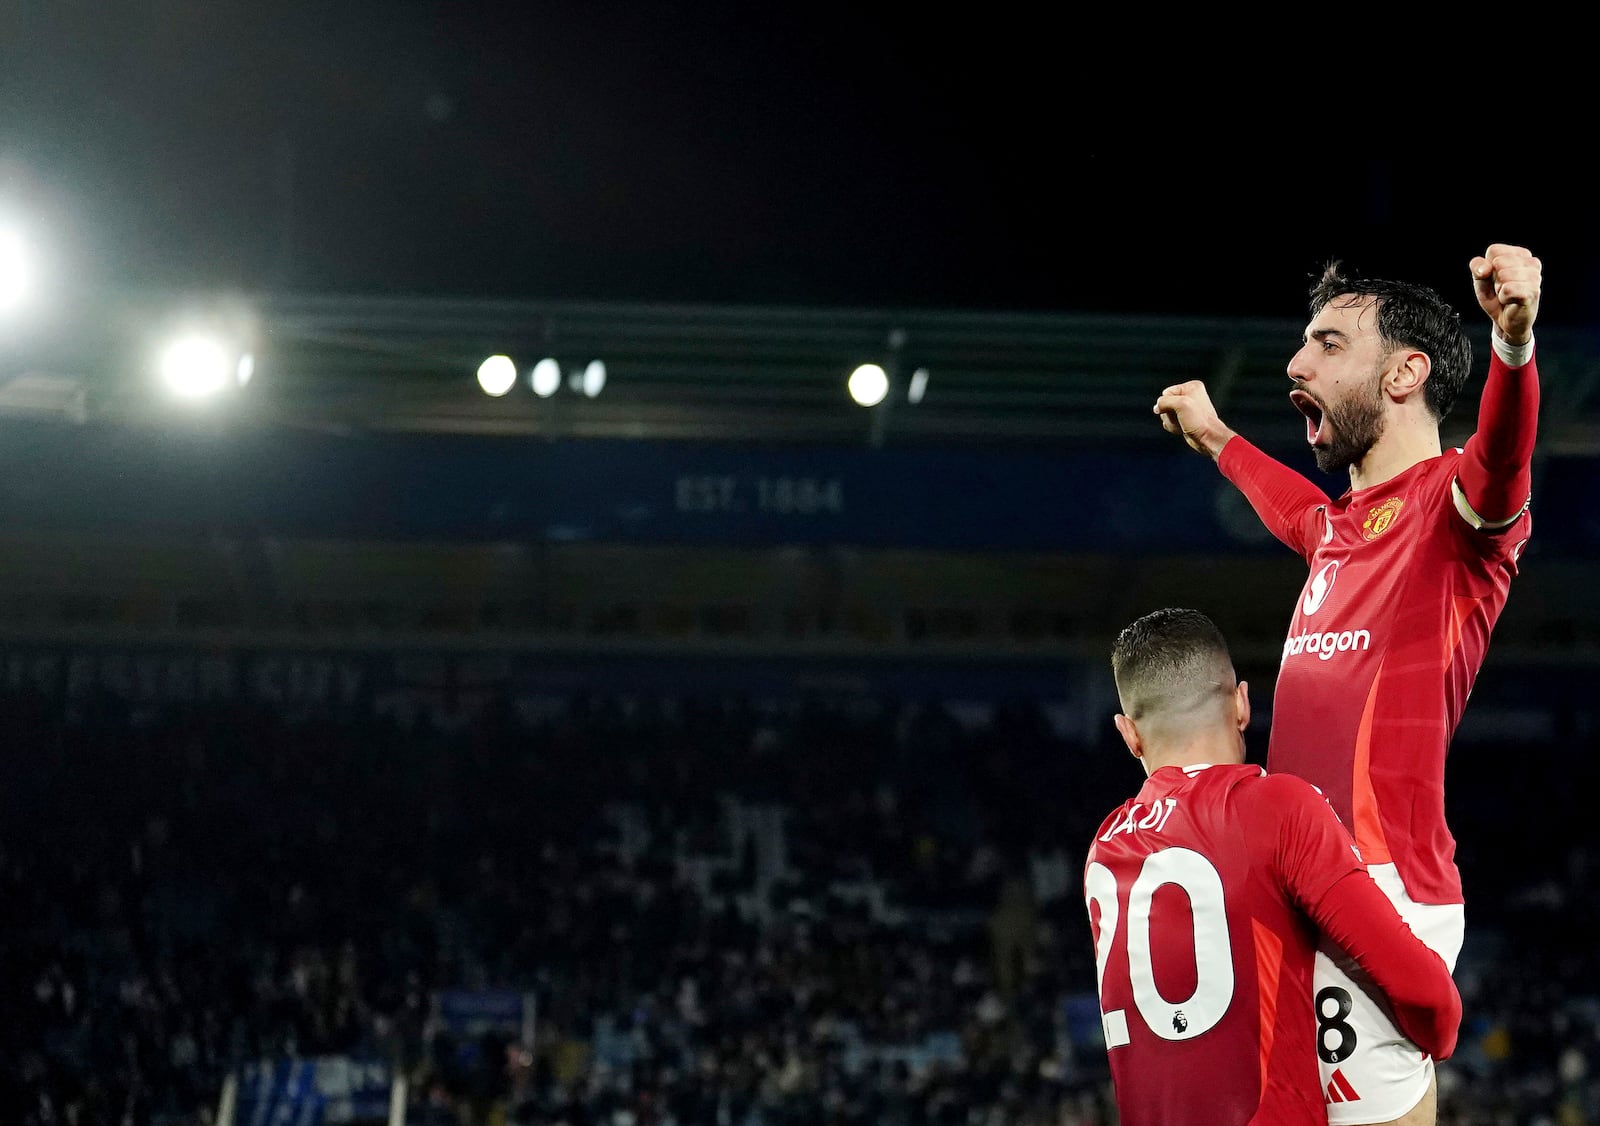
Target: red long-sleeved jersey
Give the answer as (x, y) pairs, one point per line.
(1206, 893)
(1407, 580)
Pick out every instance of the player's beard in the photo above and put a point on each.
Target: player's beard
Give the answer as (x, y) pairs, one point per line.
(1355, 425)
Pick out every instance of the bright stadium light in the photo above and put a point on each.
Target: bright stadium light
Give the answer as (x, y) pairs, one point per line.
(208, 350)
(594, 378)
(868, 384)
(497, 375)
(16, 269)
(919, 386)
(197, 366)
(545, 378)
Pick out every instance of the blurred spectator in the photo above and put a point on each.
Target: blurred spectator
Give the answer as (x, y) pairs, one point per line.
(806, 913)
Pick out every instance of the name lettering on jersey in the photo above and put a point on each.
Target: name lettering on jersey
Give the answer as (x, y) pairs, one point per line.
(1381, 516)
(1326, 644)
(1154, 819)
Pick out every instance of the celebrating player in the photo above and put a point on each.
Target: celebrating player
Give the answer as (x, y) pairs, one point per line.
(1409, 570)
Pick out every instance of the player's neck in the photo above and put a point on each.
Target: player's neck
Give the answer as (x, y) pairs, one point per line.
(1201, 753)
(1401, 446)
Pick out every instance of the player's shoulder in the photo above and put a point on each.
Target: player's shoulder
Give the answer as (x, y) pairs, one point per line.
(1289, 796)
(1288, 787)
(1247, 800)
(1226, 776)
(1111, 820)
(1225, 788)
(1271, 793)
(1425, 488)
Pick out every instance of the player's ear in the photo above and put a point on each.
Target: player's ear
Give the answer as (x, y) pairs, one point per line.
(1130, 734)
(1241, 704)
(1408, 374)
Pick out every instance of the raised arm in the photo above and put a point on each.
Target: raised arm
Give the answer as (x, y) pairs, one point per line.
(1283, 499)
(1495, 480)
(1185, 408)
(1287, 502)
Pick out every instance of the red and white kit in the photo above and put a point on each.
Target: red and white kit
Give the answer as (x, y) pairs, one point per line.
(1206, 895)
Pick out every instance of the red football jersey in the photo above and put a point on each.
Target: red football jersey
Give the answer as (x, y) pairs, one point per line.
(1385, 642)
(1198, 891)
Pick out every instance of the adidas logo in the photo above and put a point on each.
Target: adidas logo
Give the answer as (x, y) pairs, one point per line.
(1339, 1089)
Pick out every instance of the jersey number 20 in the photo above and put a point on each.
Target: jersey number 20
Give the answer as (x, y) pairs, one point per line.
(1169, 1018)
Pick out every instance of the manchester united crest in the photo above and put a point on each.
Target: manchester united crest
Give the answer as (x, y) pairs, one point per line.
(1381, 516)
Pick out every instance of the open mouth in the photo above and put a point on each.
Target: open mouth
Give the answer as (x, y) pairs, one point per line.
(1309, 407)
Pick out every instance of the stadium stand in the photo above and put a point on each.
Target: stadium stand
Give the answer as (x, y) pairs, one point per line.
(480, 771)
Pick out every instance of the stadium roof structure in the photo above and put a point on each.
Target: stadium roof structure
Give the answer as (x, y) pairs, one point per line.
(373, 365)
(711, 373)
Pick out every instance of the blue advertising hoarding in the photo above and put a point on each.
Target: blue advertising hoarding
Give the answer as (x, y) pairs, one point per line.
(1151, 499)
(313, 1091)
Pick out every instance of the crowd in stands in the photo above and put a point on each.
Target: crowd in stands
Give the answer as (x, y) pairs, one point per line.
(729, 912)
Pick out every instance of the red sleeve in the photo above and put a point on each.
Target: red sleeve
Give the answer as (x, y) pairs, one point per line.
(1422, 995)
(1324, 875)
(1312, 849)
(1496, 474)
(1286, 501)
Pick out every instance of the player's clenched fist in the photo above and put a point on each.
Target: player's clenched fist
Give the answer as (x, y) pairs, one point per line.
(1186, 409)
(1507, 280)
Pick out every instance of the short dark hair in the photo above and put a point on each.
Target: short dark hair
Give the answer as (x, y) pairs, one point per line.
(1409, 316)
(1166, 657)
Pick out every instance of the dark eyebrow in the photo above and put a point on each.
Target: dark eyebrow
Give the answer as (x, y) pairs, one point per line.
(1326, 334)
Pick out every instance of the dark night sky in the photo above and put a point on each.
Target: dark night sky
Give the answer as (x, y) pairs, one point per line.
(733, 153)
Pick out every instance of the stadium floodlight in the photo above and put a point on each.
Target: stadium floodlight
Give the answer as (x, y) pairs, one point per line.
(545, 378)
(594, 378)
(197, 366)
(868, 384)
(16, 269)
(208, 350)
(919, 386)
(497, 375)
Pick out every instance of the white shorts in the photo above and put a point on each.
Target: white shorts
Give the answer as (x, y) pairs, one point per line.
(1370, 1071)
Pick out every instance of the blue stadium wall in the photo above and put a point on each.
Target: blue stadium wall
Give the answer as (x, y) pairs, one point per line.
(1145, 499)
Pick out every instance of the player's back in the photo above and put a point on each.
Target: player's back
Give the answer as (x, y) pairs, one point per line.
(1205, 962)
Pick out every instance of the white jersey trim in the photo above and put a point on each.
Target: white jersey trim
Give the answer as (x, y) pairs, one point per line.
(1478, 522)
